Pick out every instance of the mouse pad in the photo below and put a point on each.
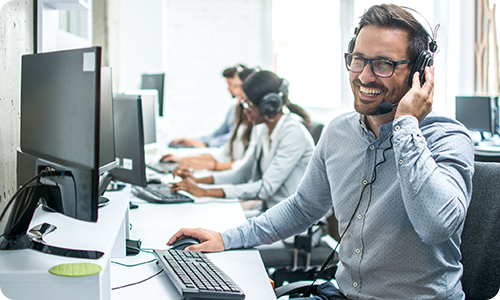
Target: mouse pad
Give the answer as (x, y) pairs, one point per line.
(75, 269)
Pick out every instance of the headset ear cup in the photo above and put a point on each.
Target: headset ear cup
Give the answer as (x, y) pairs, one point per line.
(270, 104)
(424, 59)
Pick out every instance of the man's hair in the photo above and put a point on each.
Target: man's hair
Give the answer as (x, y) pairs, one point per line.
(390, 15)
(231, 71)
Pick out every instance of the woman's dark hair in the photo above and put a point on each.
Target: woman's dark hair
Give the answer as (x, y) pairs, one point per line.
(232, 71)
(240, 119)
(390, 15)
(262, 83)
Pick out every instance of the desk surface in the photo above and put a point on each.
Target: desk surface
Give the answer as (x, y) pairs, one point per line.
(154, 224)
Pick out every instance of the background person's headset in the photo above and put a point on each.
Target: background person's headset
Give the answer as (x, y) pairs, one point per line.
(271, 103)
(425, 58)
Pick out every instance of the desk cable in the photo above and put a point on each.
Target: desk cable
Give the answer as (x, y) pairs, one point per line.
(328, 261)
(135, 265)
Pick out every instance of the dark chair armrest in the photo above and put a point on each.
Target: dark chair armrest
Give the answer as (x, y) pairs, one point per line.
(296, 287)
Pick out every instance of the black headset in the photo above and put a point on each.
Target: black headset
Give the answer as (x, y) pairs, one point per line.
(425, 58)
(271, 103)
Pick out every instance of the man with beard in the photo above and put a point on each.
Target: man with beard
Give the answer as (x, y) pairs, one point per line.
(399, 179)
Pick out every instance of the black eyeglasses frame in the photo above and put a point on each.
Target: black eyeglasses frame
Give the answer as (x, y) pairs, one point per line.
(369, 61)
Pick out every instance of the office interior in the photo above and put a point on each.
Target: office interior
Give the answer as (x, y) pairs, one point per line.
(192, 41)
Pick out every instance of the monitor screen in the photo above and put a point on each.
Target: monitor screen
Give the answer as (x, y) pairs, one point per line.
(149, 113)
(60, 128)
(157, 82)
(60, 120)
(129, 140)
(107, 159)
(477, 112)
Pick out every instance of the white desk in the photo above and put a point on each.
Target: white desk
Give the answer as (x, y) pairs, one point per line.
(24, 273)
(154, 224)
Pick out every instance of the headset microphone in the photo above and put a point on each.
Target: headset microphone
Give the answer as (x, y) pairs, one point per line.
(385, 108)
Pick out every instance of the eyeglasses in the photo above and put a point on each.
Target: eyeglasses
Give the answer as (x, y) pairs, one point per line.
(381, 67)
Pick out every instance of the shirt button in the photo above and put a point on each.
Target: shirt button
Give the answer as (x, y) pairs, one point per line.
(360, 216)
(358, 251)
(372, 147)
(390, 133)
(397, 127)
(365, 182)
(400, 161)
(355, 284)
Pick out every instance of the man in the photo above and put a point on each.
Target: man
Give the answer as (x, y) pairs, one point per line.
(400, 182)
(224, 132)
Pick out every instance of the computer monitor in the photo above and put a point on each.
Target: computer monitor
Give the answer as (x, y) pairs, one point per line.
(107, 158)
(129, 140)
(60, 131)
(149, 113)
(157, 82)
(477, 113)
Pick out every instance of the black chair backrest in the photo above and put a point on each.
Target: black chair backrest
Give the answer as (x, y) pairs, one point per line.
(481, 235)
(315, 129)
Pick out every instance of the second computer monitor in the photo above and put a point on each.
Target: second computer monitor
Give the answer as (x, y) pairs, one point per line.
(157, 82)
(477, 113)
(129, 140)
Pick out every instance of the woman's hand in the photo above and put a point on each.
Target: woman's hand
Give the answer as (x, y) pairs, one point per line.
(195, 164)
(189, 185)
(170, 157)
(183, 172)
(210, 241)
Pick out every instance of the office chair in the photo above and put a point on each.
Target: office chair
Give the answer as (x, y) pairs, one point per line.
(302, 260)
(315, 129)
(480, 243)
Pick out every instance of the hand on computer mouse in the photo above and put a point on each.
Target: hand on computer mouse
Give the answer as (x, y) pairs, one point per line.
(183, 243)
(170, 158)
(210, 241)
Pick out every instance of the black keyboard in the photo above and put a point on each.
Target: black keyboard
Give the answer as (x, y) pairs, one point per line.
(159, 193)
(196, 277)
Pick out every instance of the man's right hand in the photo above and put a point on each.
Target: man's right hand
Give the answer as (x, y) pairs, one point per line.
(210, 241)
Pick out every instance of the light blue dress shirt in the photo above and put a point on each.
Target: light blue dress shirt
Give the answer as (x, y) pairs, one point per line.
(404, 238)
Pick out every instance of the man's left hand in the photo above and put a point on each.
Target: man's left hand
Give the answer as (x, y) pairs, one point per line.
(418, 101)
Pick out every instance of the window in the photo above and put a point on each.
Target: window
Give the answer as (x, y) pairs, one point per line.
(307, 50)
(310, 37)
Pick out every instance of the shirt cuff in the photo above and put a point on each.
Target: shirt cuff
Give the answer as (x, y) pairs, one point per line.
(405, 125)
(232, 239)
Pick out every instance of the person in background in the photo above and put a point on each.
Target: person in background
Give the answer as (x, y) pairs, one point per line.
(224, 132)
(233, 150)
(279, 158)
(399, 179)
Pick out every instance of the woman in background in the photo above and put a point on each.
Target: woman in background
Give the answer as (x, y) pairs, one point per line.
(230, 153)
(277, 161)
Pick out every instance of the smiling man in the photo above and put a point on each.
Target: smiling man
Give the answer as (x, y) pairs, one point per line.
(399, 178)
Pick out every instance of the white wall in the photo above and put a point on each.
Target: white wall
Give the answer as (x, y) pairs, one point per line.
(16, 39)
(193, 41)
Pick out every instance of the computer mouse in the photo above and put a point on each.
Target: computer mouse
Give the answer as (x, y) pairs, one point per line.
(183, 243)
(168, 161)
(154, 181)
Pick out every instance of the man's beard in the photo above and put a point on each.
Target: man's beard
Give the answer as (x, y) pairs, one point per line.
(392, 97)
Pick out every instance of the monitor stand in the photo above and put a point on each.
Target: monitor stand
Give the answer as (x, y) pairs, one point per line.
(15, 235)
